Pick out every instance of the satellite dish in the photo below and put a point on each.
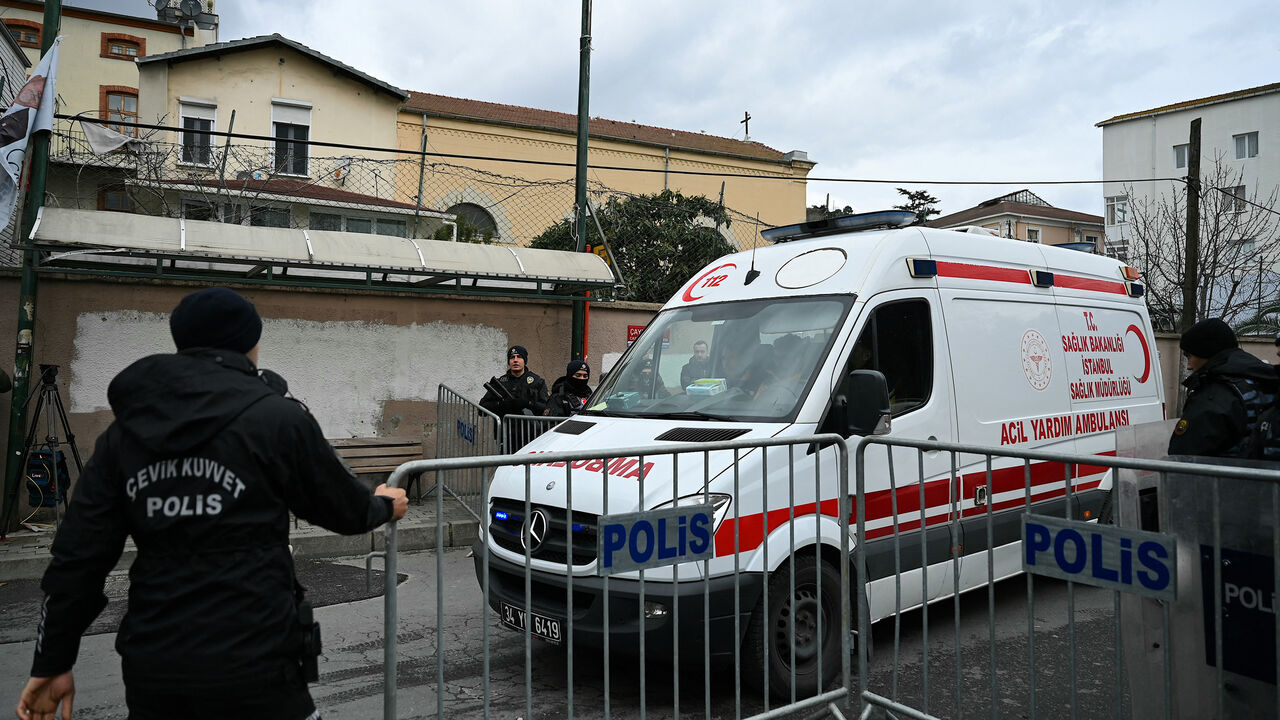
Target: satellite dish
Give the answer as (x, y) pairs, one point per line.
(182, 12)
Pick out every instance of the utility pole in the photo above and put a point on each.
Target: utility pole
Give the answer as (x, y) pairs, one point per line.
(39, 171)
(578, 341)
(1191, 258)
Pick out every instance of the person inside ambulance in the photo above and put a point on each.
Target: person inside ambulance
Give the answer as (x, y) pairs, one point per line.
(1226, 390)
(644, 380)
(699, 365)
(786, 375)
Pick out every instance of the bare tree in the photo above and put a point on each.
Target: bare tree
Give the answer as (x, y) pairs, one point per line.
(1239, 247)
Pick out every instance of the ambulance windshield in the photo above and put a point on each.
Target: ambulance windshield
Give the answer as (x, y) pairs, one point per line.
(747, 360)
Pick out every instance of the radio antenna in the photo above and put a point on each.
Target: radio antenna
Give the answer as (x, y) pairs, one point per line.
(753, 273)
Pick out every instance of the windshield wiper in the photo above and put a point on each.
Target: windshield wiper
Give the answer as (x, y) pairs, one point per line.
(693, 415)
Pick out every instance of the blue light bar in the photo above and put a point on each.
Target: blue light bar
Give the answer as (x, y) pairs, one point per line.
(1136, 290)
(845, 223)
(579, 527)
(500, 515)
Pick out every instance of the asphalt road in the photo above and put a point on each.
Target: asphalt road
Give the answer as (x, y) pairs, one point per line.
(351, 671)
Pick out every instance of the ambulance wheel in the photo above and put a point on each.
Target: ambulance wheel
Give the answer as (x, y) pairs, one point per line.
(769, 639)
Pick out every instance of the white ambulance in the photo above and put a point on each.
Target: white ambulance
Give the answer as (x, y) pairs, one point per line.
(981, 340)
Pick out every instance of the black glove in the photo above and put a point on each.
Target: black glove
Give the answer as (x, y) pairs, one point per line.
(513, 406)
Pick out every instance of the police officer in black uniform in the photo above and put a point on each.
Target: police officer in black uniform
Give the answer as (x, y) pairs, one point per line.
(569, 394)
(202, 466)
(1227, 389)
(526, 393)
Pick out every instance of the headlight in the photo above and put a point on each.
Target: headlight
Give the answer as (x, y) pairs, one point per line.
(719, 505)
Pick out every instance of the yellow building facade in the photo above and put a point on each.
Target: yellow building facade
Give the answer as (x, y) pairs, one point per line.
(97, 75)
(521, 197)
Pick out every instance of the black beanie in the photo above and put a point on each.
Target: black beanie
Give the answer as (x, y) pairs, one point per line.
(1208, 338)
(574, 366)
(518, 350)
(215, 318)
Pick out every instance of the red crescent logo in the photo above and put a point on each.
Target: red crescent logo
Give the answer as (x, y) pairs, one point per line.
(1146, 352)
(688, 292)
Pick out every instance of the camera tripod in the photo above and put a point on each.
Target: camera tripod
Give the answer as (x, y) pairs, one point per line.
(49, 402)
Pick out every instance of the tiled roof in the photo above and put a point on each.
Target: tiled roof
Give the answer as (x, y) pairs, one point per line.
(966, 217)
(253, 43)
(451, 107)
(299, 189)
(1225, 97)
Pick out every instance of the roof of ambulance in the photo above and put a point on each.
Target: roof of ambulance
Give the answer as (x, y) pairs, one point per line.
(867, 261)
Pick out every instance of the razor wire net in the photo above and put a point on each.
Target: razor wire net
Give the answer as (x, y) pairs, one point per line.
(657, 239)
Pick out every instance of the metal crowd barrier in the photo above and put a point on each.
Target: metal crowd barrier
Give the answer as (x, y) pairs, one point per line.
(1167, 614)
(520, 430)
(463, 430)
(686, 641)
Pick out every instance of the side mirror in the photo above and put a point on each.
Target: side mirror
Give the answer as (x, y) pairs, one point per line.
(867, 410)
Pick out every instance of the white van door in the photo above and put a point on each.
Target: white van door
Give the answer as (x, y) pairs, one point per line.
(900, 333)
(1012, 380)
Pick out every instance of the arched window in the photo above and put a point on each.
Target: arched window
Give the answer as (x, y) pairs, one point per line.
(119, 104)
(25, 32)
(479, 220)
(123, 47)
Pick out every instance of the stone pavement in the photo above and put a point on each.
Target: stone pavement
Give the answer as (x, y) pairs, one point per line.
(25, 554)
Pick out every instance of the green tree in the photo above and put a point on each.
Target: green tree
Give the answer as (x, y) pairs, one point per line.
(919, 202)
(658, 240)
(821, 212)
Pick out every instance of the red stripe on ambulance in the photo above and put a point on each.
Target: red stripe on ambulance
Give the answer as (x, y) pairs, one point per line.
(1018, 276)
(879, 505)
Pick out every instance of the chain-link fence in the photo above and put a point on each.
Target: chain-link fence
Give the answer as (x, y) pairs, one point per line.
(656, 238)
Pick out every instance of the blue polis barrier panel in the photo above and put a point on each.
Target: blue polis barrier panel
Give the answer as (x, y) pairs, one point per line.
(1131, 561)
(646, 540)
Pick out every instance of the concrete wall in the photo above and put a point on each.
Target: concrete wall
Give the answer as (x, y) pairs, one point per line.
(366, 364)
(1171, 363)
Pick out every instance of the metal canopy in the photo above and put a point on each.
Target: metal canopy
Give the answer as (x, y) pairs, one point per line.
(113, 243)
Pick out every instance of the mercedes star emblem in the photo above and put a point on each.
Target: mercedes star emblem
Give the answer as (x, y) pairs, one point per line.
(534, 531)
(551, 484)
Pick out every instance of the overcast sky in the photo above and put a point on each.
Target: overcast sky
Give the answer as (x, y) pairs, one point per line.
(930, 90)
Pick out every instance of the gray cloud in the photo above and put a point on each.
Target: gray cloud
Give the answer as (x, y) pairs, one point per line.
(927, 90)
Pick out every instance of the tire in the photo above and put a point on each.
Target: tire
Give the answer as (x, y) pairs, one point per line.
(768, 640)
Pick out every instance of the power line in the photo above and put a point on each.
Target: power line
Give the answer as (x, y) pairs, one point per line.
(622, 168)
(1228, 192)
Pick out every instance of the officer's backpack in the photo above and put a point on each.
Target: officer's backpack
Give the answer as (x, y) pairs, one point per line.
(1264, 443)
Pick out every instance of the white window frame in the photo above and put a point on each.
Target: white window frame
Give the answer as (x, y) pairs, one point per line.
(197, 109)
(1034, 235)
(1181, 155)
(1236, 199)
(1246, 145)
(291, 112)
(1118, 250)
(373, 220)
(1118, 210)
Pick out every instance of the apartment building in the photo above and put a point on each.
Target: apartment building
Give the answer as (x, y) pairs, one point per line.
(1026, 216)
(1240, 131)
